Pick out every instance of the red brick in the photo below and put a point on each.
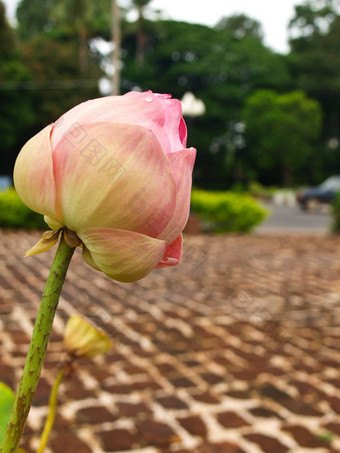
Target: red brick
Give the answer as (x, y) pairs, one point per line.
(194, 424)
(132, 410)
(231, 420)
(267, 444)
(156, 433)
(94, 415)
(172, 402)
(304, 437)
(117, 439)
(67, 442)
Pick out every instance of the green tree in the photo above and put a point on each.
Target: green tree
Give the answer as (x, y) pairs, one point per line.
(83, 19)
(16, 108)
(37, 16)
(39, 79)
(78, 16)
(315, 63)
(241, 26)
(7, 35)
(280, 131)
(34, 16)
(312, 18)
(141, 33)
(63, 71)
(56, 82)
(219, 69)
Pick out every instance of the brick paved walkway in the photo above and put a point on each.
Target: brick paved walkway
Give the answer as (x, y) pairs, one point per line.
(234, 351)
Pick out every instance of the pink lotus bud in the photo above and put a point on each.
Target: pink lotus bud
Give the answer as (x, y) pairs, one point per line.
(117, 172)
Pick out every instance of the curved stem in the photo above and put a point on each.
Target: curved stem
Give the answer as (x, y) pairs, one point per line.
(37, 349)
(51, 413)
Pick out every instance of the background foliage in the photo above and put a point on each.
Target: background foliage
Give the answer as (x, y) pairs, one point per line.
(336, 214)
(294, 122)
(269, 117)
(227, 211)
(15, 214)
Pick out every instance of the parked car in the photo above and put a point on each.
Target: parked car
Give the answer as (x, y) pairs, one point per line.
(324, 193)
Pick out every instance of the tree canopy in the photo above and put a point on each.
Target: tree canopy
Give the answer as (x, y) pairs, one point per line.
(241, 26)
(51, 62)
(315, 58)
(16, 108)
(220, 69)
(281, 131)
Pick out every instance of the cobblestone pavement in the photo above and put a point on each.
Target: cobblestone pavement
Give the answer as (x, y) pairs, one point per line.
(234, 351)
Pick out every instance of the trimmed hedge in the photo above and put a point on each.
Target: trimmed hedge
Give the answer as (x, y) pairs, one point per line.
(259, 191)
(15, 214)
(227, 211)
(335, 210)
(221, 211)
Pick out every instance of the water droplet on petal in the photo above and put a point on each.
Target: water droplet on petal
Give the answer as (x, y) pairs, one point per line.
(169, 261)
(148, 99)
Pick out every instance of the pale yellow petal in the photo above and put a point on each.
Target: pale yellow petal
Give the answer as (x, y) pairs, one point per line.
(53, 223)
(125, 256)
(82, 339)
(47, 241)
(33, 174)
(118, 176)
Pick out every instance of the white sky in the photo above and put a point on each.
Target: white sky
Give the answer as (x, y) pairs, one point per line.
(273, 14)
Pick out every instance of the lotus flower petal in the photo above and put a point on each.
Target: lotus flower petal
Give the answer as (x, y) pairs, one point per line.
(125, 256)
(47, 241)
(172, 254)
(114, 175)
(136, 181)
(158, 113)
(33, 174)
(181, 163)
(174, 124)
(54, 224)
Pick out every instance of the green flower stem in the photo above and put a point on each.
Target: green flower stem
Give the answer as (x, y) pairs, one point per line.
(37, 349)
(52, 409)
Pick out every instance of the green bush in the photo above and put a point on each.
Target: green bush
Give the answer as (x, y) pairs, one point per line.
(257, 190)
(14, 214)
(335, 210)
(227, 211)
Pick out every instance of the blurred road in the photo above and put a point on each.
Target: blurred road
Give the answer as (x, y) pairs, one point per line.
(291, 219)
